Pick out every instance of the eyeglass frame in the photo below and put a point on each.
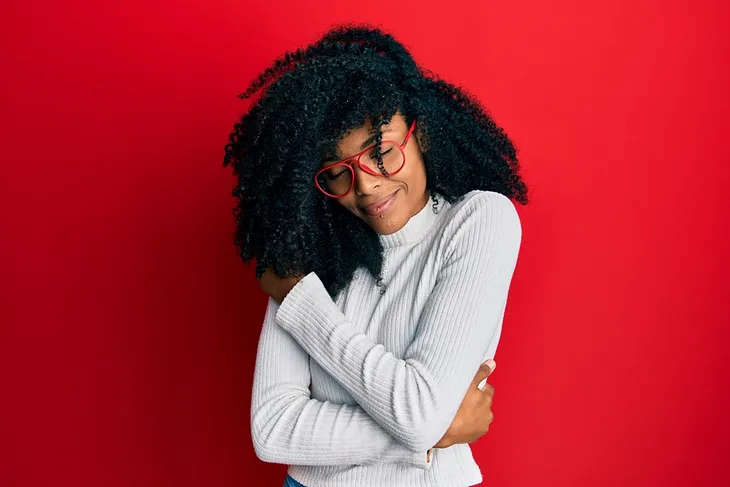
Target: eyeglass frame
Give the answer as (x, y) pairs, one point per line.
(356, 159)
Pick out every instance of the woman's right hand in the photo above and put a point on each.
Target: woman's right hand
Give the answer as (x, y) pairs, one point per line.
(474, 416)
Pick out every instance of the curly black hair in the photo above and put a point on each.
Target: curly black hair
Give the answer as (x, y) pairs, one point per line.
(308, 99)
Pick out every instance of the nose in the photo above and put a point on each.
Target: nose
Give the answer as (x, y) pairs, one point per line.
(365, 183)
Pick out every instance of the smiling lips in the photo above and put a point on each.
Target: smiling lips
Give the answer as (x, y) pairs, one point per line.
(380, 207)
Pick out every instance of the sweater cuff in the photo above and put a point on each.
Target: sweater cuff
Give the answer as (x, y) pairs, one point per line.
(307, 305)
(419, 460)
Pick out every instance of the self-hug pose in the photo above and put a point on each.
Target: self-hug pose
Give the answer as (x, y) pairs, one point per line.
(377, 201)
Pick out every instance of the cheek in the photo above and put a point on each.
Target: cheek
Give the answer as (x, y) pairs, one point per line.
(415, 175)
(348, 202)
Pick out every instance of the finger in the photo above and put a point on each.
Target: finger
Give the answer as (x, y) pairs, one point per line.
(480, 379)
(482, 373)
(490, 364)
(485, 370)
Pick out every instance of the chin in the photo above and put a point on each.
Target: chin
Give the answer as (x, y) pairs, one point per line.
(386, 225)
(385, 230)
(392, 220)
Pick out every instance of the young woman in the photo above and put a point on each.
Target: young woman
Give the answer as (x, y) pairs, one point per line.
(377, 202)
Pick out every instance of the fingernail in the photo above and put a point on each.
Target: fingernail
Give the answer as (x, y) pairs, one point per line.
(491, 363)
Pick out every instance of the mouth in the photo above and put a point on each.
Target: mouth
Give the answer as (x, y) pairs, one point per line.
(380, 206)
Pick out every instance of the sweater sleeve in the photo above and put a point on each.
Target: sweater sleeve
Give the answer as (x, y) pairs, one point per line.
(416, 398)
(289, 427)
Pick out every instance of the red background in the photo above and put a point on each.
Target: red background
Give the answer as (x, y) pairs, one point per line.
(129, 325)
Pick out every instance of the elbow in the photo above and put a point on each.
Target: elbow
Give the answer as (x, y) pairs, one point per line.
(421, 434)
(261, 440)
(269, 431)
(262, 453)
(263, 450)
(268, 449)
(419, 421)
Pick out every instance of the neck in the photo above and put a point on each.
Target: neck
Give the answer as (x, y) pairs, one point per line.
(416, 227)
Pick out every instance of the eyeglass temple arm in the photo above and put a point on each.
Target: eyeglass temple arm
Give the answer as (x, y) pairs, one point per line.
(410, 131)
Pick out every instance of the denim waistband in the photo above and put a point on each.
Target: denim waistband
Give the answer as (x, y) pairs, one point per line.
(290, 482)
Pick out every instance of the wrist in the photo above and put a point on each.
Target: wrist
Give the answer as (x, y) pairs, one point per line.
(445, 442)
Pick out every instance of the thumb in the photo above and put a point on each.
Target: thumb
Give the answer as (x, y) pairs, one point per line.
(484, 371)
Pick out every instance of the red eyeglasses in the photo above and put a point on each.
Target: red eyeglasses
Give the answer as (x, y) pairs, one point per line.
(336, 180)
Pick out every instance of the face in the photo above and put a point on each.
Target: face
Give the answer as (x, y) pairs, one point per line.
(384, 203)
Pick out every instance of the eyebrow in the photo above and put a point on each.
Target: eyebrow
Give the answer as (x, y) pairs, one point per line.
(328, 158)
(372, 138)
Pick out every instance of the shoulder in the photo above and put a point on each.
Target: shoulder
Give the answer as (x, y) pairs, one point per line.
(481, 221)
(486, 208)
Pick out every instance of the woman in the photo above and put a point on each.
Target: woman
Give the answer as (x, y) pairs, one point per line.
(382, 306)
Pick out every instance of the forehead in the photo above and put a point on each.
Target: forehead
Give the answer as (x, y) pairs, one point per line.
(355, 137)
(352, 142)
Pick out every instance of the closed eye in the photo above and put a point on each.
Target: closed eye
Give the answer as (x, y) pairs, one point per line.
(335, 174)
(383, 153)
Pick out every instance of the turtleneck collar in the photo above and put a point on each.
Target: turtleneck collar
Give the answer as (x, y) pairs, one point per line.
(416, 227)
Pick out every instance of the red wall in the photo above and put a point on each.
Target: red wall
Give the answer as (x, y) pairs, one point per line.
(129, 325)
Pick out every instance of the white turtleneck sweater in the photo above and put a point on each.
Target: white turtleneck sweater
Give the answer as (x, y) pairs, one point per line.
(352, 392)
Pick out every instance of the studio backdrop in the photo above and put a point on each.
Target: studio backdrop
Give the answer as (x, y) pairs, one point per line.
(129, 324)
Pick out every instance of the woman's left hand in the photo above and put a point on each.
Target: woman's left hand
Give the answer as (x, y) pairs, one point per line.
(277, 287)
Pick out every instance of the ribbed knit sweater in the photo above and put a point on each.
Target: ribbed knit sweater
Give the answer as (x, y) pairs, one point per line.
(352, 392)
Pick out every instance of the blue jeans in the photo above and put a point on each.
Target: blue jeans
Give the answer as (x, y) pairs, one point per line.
(290, 482)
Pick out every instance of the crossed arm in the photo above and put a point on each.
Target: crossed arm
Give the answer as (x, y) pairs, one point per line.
(290, 427)
(404, 405)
